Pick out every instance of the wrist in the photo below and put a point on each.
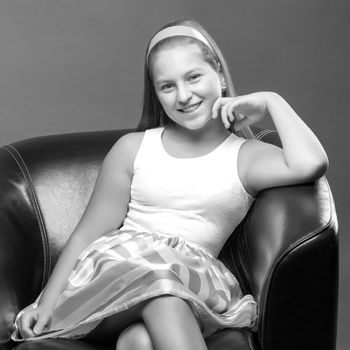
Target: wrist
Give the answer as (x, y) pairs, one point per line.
(46, 304)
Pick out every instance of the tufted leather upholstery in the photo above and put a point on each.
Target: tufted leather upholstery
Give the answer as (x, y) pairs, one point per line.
(288, 243)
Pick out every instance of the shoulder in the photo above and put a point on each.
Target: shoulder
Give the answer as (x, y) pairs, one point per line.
(127, 144)
(247, 151)
(125, 149)
(130, 142)
(251, 149)
(251, 154)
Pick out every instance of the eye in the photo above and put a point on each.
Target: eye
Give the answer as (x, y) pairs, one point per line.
(166, 87)
(194, 77)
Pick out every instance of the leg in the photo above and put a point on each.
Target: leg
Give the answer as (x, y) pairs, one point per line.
(134, 337)
(172, 324)
(109, 329)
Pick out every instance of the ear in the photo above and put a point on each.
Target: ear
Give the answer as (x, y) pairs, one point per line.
(223, 82)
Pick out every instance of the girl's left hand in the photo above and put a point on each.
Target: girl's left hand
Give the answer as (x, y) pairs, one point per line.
(249, 109)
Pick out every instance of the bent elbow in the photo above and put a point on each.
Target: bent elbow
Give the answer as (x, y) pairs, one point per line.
(317, 170)
(322, 166)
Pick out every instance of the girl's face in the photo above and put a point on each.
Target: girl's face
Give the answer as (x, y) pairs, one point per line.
(186, 85)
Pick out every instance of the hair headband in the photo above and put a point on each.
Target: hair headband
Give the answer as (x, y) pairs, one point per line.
(176, 31)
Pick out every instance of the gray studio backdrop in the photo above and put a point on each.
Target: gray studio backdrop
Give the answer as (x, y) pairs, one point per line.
(77, 65)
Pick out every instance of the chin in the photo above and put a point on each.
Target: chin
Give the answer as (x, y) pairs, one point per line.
(196, 126)
(194, 123)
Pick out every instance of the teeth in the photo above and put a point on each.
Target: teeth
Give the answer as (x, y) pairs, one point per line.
(191, 108)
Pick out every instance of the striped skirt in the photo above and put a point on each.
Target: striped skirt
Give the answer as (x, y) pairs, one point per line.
(123, 268)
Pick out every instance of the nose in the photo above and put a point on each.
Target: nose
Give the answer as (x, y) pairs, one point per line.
(184, 93)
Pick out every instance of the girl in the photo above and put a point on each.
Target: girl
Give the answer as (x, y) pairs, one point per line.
(141, 266)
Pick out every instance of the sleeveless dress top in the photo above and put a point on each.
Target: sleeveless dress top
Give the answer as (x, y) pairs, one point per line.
(200, 199)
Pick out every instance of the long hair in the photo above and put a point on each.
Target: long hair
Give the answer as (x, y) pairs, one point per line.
(153, 114)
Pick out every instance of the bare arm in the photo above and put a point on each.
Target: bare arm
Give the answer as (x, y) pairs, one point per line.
(302, 151)
(301, 160)
(105, 211)
(262, 165)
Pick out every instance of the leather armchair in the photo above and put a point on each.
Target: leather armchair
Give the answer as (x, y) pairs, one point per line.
(285, 251)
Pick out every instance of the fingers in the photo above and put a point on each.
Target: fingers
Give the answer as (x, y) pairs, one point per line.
(30, 324)
(224, 116)
(230, 113)
(218, 104)
(41, 324)
(25, 324)
(225, 108)
(243, 111)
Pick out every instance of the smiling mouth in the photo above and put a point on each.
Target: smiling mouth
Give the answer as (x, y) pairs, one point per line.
(191, 108)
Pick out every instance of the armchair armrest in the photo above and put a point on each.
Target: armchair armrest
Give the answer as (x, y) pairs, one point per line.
(292, 263)
(21, 241)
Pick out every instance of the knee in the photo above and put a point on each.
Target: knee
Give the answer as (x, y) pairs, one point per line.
(134, 337)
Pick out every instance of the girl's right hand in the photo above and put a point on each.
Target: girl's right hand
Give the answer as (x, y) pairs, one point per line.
(33, 321)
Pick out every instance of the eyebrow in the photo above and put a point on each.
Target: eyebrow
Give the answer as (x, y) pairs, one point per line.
(191, 71)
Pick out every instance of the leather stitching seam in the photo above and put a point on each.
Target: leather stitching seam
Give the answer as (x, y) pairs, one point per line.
(26, 175)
